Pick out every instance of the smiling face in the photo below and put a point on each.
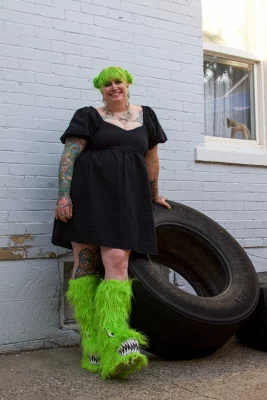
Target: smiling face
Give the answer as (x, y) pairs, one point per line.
(115, 92)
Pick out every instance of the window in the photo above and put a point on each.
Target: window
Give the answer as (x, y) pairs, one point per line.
(229, 98)
(229, 81)
(67, 320)
(234, 36)
(67, 309)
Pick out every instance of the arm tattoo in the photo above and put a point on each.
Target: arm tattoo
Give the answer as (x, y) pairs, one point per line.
(73, 147)
(154, 189)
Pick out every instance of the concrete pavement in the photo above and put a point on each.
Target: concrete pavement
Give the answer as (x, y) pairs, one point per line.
(235, 372)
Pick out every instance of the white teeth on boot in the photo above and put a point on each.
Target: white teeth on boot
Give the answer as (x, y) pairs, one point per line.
(128, 347)
(94, 359)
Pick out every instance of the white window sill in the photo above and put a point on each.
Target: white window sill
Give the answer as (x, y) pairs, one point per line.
(227, 153)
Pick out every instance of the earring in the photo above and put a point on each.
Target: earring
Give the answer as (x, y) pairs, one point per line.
(104, 101)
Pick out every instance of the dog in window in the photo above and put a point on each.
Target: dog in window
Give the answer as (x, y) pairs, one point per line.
(238, 127)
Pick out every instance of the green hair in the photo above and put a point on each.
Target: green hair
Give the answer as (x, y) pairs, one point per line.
(112, 73)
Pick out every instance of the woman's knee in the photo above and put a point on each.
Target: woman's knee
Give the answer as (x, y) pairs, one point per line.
(115, 259)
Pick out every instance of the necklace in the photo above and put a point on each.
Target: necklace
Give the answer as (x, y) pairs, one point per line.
(124, 120)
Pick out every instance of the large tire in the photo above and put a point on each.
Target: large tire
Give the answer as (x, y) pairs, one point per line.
(254, 332)
(181, 325)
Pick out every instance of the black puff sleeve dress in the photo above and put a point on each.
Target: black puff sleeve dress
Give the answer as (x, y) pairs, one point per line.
(110, 191)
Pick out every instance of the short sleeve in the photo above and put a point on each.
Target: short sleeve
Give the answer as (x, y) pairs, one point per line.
(82, 125)
(156, 133)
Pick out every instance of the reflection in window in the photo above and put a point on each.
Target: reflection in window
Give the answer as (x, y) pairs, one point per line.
(229, 101)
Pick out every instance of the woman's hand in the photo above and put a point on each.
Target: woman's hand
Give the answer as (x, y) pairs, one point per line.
(63, 209)
(162, 201)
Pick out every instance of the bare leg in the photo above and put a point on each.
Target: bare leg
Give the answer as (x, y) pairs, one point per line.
(85, 258)
(115, 262)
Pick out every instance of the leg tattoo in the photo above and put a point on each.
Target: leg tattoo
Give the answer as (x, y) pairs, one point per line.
(87, 263)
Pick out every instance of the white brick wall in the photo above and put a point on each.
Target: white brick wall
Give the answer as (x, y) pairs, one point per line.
(50, 52)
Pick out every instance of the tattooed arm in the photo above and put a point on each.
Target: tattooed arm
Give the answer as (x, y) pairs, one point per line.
(73, 147)
(152, 164)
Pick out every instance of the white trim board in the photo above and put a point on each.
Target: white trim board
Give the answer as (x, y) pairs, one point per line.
(229, 154)
(229, 52)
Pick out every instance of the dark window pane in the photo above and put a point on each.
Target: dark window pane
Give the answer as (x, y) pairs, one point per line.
(229, 100)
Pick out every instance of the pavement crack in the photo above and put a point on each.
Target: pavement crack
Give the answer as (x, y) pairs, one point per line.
(189, 390)
(193, 391)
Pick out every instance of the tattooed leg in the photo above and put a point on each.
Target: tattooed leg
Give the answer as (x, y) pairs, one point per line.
(81, 295)
(85, 259)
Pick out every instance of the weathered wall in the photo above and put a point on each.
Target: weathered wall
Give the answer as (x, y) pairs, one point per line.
(29, 305)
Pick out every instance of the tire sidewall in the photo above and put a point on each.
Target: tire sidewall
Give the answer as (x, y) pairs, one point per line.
(233, 305)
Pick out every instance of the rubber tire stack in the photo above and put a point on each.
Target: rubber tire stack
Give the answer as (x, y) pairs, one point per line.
(181, 325)
(254, 331)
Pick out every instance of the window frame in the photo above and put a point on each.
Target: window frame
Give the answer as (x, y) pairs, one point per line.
(251, 64)
(236, 151)
(211, 49)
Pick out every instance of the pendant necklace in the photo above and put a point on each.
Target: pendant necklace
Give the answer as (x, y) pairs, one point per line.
(124, 120)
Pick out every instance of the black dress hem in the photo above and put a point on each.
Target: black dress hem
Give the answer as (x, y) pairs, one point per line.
(66, 243)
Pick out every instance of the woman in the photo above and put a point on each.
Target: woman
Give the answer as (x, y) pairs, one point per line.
(108, 175)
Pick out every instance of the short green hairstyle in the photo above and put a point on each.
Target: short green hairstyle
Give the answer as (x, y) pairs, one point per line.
(112, 73)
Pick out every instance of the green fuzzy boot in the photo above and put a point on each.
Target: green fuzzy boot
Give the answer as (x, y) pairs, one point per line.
(118, 344)
(81, 295)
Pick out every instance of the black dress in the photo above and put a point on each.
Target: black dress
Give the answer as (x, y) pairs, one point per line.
(110, 191)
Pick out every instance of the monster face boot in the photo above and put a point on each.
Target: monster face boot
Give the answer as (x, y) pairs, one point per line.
(118, 344)
(81, 295)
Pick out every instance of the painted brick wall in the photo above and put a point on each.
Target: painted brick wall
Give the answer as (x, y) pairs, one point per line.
(50, 52)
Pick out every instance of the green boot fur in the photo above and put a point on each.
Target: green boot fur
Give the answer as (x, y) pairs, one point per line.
(81, 295)
(118, 344)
